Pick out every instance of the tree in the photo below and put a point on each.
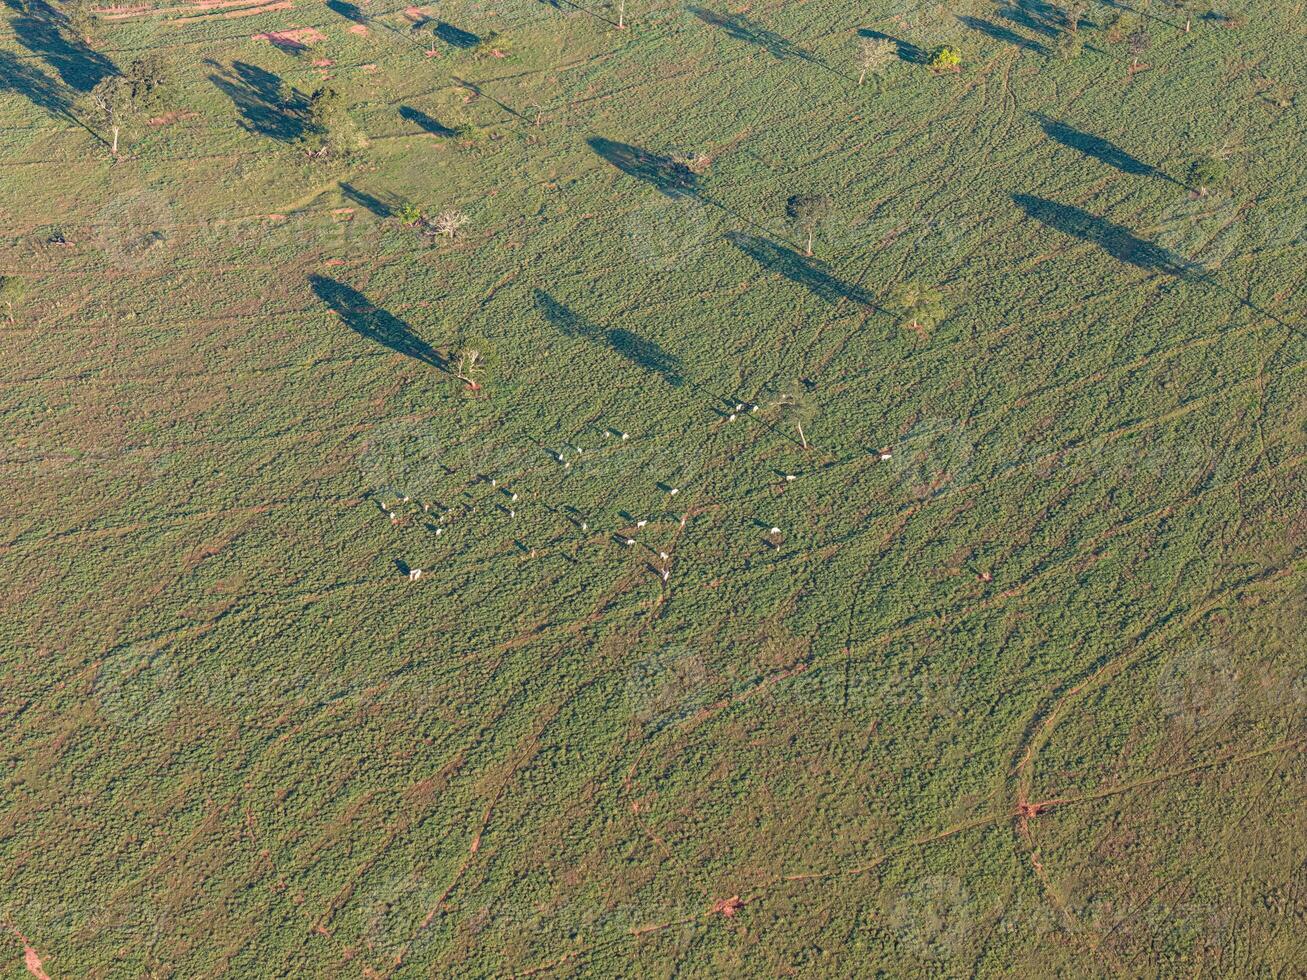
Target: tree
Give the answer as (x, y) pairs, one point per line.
(1139, 43)
(874, 55)
(11, 291)
(410, 216)
(1070, 46)
(1118, 25)
(469, 361)
(946, 57)
(1072, 13)
(81, 17)
(449, 223)
(806, 213)
(1206, 173)
(122, 94)
(921, 306)
(1186, 8)
(322, 117)
(795, 406)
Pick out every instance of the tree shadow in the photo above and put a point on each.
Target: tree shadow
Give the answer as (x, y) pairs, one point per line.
(742, 29)
(669, 176)
(374, 204)
(42, 90)
(267, 106)
(421, 119)
(1117, 241)
(373, 323)
(639, 351)
(798, 268)
(287, 45)
(480, 93)
(455, 36)
(1097, 147)
(1002, 34)
(1034, 15)
(41, 29)
(646, 354)
(908, 51)
(1124, 246)
(347, 10)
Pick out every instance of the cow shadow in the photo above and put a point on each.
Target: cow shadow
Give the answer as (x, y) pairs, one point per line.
(669, 176)
(1116, 240)
(638, 350)
(267, 106)
(374, 323)
(798, 268)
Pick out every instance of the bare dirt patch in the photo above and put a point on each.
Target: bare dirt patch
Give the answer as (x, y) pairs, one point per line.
(294, 37)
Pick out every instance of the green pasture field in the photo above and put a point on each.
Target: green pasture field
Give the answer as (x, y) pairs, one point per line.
(1026, 696)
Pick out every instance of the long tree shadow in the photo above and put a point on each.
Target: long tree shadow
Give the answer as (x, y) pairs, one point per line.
(1124, 246)
(362, 198)
(1147, 14)
(42, 90)
(671, 177)
(1117, 241)
(799, 268)
(420, 118)
(638, 350)
(1002, 34)
(907, 51)
(1097, 147)
(455, 36)
(374, 323)
(42, 30)
(267, 106)
(742, 29)
(1034, 15)
(349, 11)
(481, 93)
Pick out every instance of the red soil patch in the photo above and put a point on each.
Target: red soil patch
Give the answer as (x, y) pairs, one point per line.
(247, 12)
(322, 62)
(168, 118)
(728, 906)
(295, 37)
(220, 4)
(122, 10)
(358, 28)
(417, 14)
(126, 11)
(370, 69)
(33, 964)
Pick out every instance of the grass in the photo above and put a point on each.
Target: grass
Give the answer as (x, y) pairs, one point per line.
(1026, 696)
